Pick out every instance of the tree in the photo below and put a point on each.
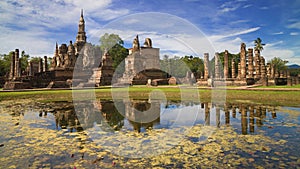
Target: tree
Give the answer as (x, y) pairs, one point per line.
(114, 45)
(6, 59)
(278, 64)
(108, 41)
(258, 45)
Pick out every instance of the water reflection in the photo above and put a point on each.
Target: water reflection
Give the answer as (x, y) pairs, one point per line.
(140, 115)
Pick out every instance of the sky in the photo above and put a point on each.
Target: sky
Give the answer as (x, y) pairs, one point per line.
(177, 27)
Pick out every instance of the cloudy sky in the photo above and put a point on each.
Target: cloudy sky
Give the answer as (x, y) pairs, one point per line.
(178, 27)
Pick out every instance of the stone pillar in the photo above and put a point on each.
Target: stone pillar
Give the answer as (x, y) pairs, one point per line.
(217, 66)
(268, 69)
(250, 63)
(272, 71)
(239, 71)
(40, 65)
(17, 63)
(289, 81)
(243, 61)
(233, 69)
(226, 64)
(262, 67)
(12, 66)
(206, 66)
(45, 64)
(257, 64)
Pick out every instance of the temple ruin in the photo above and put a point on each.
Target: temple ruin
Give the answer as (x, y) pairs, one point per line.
(80, 56)
(247, 70)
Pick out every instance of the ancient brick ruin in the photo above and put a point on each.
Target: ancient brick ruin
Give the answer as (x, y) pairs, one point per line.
(250, 70)
(76, 64)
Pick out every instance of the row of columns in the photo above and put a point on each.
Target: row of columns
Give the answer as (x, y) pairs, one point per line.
(254, 67)
(15, 66)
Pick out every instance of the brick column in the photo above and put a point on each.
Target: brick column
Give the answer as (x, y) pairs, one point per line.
(250, 63)
(243, 60)
(206, 65)
(226, 64)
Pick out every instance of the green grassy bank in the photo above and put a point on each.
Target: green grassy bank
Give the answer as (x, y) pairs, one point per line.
(286, 98)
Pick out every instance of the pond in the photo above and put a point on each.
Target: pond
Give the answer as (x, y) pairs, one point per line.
(147, 134)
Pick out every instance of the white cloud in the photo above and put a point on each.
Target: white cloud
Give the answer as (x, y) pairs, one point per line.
(294, 33)
(264, 8)
(278, 33)
(234, 33)
(295, 25)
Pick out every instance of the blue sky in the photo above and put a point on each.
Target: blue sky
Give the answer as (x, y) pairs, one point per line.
(35, 26)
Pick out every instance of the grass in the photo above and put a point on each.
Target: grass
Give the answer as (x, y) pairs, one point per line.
(294, 86)
(286, 98)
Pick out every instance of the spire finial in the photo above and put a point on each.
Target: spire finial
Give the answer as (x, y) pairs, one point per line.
(81, 12)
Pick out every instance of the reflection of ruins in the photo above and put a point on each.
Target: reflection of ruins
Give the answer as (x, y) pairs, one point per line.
(250, 115)
(142, 113)
(105, 113)
(145, 114)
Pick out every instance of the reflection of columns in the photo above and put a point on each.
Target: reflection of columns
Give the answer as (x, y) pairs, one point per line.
(206, 65)
(226, 64)
(263, 112)
(217, 66)
(12, 66)
(251, 119)
(227, 116)
(273, 113)
(258, 117)
(40, 65)
(243, 61)
(207, 115)
(233, 112)
(244, 121)
(45, 64)
(233, 68)
(250, 62)
(218, 116)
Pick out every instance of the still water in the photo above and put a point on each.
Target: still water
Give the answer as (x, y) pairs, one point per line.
(147, 134)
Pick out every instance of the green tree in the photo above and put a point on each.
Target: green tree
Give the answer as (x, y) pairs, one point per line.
(278, 64)
(5, 60)
(114, 45)
(258, 45)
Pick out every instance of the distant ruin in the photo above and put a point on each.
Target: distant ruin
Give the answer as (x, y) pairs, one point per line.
(249, 70)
